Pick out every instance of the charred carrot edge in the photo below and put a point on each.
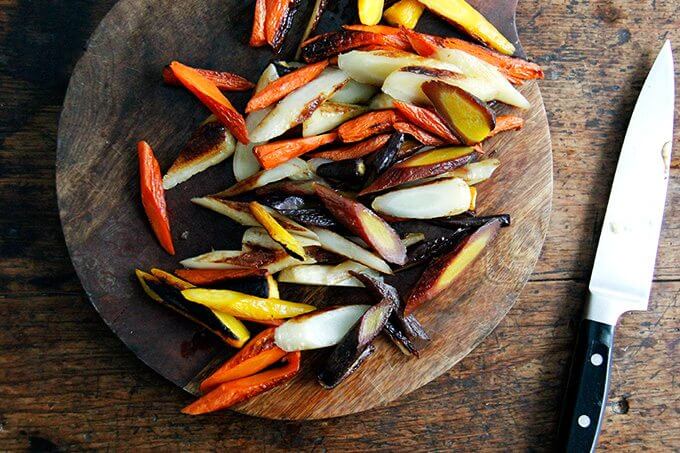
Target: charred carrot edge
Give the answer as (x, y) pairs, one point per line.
(280, 88)
(355, 150)
(275, 153)
(212, 97)
(366, 125)
(399, 37)
(419, 134)
(262, 342)
(227, 81)
(246, 368)
(427, 120)
(153, 196)
(514, 69)
(204, 277)
(234, 392)
(278, 20)
(331, 44)
(506, 123)
(257, 36)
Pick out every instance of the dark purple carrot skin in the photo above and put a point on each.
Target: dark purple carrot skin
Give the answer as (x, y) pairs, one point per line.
(349, 173)
(384, 158)
(433, 249)
(471, 221)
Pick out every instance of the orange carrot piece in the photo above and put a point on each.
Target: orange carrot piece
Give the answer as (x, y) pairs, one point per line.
(275, 153)
(205, 277)
(419, 134)
(246, 368)
(325, 46)
(278, 21)
(507, 123)
(153, 196)
(234, 392)
(516, 70)
(280, 88)
(355, 150)
(257, 36)
(368, 124)
(394, 32)
(264, 341)
(227, 81)
(265, 322)
(427, 120)
(212, 97)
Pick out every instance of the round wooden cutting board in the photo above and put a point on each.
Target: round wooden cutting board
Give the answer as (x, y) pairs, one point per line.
(116, 98)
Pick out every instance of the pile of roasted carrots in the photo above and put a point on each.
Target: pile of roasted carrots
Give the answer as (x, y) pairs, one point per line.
(381, 126)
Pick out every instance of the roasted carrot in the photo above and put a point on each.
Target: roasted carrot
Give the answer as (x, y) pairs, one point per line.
(275, 153)
(514, 69)
(368, 124)
(257, 36)
(231, 369)
(355, 150)
(506, 123)
(427, 120)
(280, 88)
(264, 322)
(396, 36)
(278, 20)
(328, 45)
(227, 81)
(239, 390)
(419, 134)
(212, 97)
(206, 277)
(246, 368)
(153, 196)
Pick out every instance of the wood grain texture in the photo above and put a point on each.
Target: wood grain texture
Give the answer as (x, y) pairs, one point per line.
(67, 382)
(107, 233)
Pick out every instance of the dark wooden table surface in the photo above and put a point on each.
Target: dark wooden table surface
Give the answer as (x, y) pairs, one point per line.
(67, 383)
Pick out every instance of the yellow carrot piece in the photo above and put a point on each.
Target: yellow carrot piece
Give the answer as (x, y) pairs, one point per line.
(370, 11)
(405, 13)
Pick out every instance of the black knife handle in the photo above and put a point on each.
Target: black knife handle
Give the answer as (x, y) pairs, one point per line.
(587, 388)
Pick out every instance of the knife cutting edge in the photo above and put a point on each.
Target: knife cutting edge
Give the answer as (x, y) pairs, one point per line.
(624, 262)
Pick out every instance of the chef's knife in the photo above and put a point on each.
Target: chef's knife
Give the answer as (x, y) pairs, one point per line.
(624, 262)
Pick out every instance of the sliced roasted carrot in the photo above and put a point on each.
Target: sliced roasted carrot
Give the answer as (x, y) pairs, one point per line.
(275, 153)
(279, 19)
(227, 81)
(428, 120)
(280, 88)
(325, 46)
(212, 97)
(396, 36)
(506, 123)
(234, 392)
(263, 342)
(419, 134)
(244, 369)
(153, 196)
(368, 124)
(265, 322)
(257, 36)
(514, 69)
(207, 277)
(355, 150)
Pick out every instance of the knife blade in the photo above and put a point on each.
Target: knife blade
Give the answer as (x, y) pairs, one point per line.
(624, 262)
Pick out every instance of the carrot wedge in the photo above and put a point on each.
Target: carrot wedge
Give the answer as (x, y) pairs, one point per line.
(239, 390)
(506, 123)
(227, 81)
(273, 154)
(419, 134)
(366, 125)
(279, 18)
(355, 150)
(395, 34)
(427, 120)
(153, 196)
(212, 97)
(328, 45)
(207, 277)
(257, 36)
(516, 70)
(280, 88)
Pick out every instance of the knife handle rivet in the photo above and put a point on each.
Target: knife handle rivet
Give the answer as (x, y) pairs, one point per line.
(596, 359)
(584, 421)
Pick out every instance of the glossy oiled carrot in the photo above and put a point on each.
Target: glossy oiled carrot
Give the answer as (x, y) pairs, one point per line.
(153, 196)
(280, 88)
(514, 69)
(330, 44)
(278, 21)
(355, 150)
(226, 81)
(275, 153)
(419, 134)
(257, 36)
(366, 125)
(506, 123)
(239, 390)
(427, 120)
(207, 277)
(212, 97)
(396, 36)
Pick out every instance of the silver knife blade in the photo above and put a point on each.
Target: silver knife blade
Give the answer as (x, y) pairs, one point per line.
(624, 262)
